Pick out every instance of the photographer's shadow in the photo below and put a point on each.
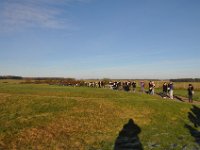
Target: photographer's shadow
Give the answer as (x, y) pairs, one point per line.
(128, 137)
(194, 117)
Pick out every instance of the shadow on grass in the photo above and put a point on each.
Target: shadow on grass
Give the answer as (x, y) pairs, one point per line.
(128, 137)
(194, 117)
(162, 95)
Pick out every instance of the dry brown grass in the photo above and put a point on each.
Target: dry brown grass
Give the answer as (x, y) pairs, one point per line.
(88, 122)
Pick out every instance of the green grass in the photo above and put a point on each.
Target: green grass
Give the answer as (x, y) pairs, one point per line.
(57, 117)
(183, 92)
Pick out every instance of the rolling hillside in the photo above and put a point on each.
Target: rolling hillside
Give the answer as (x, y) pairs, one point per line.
(59, 117)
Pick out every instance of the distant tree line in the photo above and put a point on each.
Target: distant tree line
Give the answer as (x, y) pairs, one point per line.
(73, 80)
(34, 78)
(11, 77)
(52, 81)
(186, 80)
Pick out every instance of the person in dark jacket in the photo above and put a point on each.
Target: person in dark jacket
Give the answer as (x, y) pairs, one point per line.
(134, 86)
(190, 93)
(165, 90)
(151, 86)
(126, 86)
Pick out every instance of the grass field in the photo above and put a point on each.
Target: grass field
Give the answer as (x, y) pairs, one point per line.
(58, 117)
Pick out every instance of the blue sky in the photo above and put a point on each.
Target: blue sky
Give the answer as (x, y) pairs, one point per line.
(100, 38)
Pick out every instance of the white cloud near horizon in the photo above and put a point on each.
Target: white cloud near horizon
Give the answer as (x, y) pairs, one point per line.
(20, 14)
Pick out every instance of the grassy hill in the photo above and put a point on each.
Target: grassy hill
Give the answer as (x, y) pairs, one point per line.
(58, 117)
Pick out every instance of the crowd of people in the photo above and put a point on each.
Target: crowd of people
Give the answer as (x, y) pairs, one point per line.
(168, 91)
(167, 88)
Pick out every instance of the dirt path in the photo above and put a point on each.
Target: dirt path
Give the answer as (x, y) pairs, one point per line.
(179, 98)
(185, 99)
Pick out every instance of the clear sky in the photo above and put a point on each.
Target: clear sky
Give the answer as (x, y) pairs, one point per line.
(100, 38)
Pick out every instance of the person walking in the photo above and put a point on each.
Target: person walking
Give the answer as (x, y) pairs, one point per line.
(142, 84)
(134, 86)
(153, 88)
(171, 90)
(190, 93)
(165, 90)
